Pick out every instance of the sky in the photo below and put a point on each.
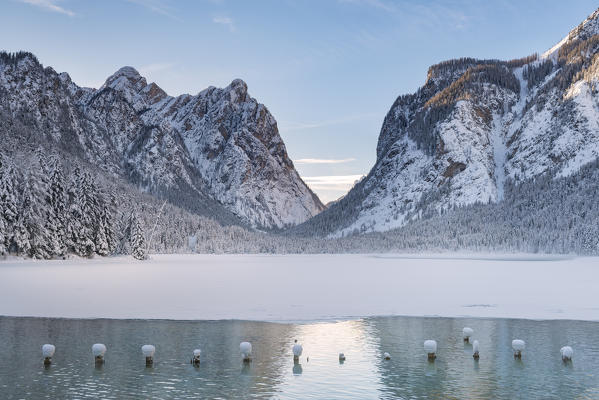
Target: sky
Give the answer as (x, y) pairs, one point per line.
(328, 70)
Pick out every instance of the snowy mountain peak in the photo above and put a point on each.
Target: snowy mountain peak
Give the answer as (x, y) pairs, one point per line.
(134, 88)
(586, 29)
(449, 70)
(126, 78)
(474, 128)
(218, 153)
(23, 60)
(238, 91)
(128, 72)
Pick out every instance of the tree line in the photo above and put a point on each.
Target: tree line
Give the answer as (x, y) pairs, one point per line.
(47, 212)
(51, 208)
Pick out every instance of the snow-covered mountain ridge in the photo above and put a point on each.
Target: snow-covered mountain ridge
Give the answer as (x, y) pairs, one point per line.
(472, 126)
(218, 152)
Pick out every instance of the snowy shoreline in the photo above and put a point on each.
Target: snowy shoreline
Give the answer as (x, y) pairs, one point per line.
(302, 288)
(297, 321)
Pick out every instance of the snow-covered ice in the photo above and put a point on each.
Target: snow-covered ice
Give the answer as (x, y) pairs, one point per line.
(301, 287)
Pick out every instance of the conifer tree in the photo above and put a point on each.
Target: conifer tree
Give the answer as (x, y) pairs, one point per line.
(56, 197)
(87, 204)
(3, 234)
(138, 242)
(101, 240)
(8, 201)
(23, 224)
(80, 232)
(105, 237)
(37, 182)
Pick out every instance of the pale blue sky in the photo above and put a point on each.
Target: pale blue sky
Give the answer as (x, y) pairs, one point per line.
(328, 70)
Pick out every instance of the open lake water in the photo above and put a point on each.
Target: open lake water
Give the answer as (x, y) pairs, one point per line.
(540, 374)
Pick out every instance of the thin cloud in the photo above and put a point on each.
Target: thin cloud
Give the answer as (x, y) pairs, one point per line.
(372, 3)
(323, 161)
(156, 6)
(298, 126)
(433, 13)
(332, 182)
(49, 5)
(226, 21)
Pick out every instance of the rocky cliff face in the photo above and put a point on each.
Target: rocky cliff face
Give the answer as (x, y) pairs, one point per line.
(472, 126)
(218, 152)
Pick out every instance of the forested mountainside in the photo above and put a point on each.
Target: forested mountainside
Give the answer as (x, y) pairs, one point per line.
(217, 153)
(52, 209)
(472, 127)
(487, 156)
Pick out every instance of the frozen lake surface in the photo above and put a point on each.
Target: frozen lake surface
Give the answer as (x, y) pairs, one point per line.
(298, 288)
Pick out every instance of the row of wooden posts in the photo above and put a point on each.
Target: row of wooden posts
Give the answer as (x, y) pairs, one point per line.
(245, 348)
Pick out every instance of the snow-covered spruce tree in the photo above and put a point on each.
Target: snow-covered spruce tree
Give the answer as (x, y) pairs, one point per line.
(56, 198)
(98, 220)
(72, 214)
(3, 231)
(3, 234)
(20, 242)
(38, 184)
(108, 216)
(80, 230)
(122, 224)
(30, 233)
(138, 242)
(8, 201)
(101, 242)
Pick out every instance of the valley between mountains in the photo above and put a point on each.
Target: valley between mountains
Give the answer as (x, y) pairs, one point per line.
(486, 155)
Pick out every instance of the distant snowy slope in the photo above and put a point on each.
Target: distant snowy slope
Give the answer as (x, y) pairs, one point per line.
(218, 152)
(474, 125)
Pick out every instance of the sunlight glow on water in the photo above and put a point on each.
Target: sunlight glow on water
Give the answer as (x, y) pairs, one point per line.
(540, 375)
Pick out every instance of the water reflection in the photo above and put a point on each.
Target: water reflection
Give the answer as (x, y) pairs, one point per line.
(497, 374)
(297, 369)
(317, 374)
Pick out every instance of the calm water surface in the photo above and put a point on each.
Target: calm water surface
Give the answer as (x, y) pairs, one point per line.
(365, 375)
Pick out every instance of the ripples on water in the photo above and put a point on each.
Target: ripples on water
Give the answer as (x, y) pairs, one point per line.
(408, 375)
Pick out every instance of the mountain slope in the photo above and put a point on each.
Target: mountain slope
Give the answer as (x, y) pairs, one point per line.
(473, 127)
(218, 153)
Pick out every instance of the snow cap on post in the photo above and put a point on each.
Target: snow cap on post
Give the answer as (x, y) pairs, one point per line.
(48, 350)
(297, 350)
(148, 350)
(245, 348)
(475, 353)
(430, 346)
(518, 346)
(195, 359)
(467, 333)
(567, 352)
(98, 349)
